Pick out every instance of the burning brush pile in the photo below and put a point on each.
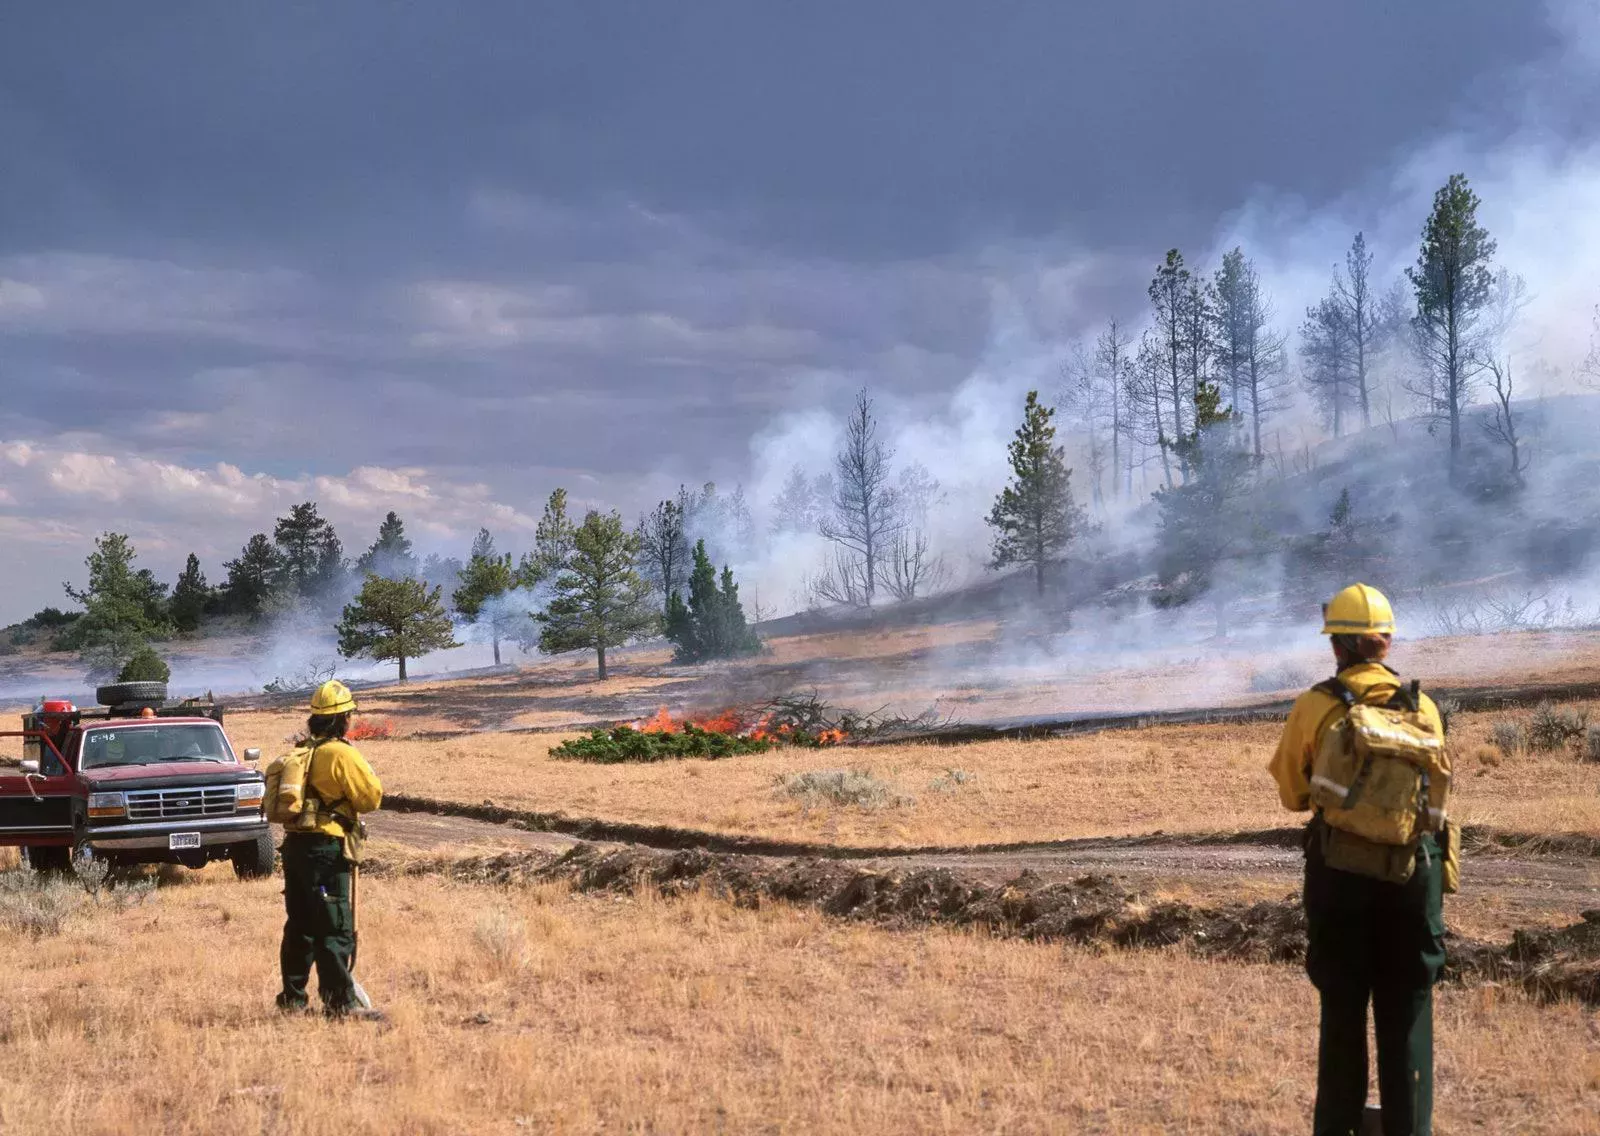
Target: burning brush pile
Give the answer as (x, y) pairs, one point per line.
(803, 720)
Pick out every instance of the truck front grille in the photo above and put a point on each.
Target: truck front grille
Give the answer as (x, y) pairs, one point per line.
(181, 804)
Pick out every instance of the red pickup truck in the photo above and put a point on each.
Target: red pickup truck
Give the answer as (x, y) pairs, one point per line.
(136, 781)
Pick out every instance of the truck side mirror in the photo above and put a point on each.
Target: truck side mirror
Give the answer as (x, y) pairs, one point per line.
(29, 765)
(252, 754)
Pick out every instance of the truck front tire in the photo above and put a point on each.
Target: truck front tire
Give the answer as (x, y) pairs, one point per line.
(254, 860)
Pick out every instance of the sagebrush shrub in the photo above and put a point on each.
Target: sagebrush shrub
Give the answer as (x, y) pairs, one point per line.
(951, 780)
(857, 787)
(1551, 728)
(38, 904)
(1510, 737)
(503, 938)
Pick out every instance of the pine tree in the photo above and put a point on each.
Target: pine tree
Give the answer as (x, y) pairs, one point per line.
(1035, 517)
(712, 624)
(442, 572)
(487, 577)
(1181, 335)
(390, 555)
(1354, 293)
(124, 607)
(1453, 285)
(394, 619)
(600, 601)
(1250, 352)
(1209, 415)
(552, 543)
(254, 579)
(190, 597)
(722, 520)
(1209, 530)
(312, 557)
(1327, 348)
(145, 665)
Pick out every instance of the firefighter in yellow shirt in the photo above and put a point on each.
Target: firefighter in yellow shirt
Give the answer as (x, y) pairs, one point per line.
(1368, 939)
(316, 868)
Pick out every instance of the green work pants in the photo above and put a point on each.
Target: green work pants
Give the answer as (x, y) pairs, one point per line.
(321, 926)
(1383, 943)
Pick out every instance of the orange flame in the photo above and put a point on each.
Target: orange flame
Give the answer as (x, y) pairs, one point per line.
(364, 729)
(734, 722)
(661, 723)
(727, 722)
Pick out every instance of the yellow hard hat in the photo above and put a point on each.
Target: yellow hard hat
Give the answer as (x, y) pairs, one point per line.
(1358, 610)
(333, 697)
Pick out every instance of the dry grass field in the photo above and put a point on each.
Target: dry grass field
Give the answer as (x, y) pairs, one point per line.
(537, 1009)
(1170, 778)
(542, 1009)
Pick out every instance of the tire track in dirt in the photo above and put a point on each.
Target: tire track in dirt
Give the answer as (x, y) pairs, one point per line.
(1093, 909)
(1512, 880)
(1477, 839)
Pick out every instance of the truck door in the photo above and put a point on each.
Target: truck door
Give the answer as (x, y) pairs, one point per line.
(36, 790)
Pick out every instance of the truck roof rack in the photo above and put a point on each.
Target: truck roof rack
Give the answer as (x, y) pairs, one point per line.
(191, 708)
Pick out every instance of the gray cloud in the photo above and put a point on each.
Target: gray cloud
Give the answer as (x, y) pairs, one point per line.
(512, 245)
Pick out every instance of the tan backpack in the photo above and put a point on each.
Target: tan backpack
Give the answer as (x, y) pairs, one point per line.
(289, 798)
(1382, 776)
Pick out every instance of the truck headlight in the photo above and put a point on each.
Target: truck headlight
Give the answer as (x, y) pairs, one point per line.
(248, 794)
(108, 805)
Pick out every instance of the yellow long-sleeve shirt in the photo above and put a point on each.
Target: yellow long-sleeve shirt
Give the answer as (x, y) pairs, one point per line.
(341, 777)
(1316, 710)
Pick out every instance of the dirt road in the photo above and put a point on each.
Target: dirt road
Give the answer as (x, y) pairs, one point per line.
(440, 834)
(1504, 890)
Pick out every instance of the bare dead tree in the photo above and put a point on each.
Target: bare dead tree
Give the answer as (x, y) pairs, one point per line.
(1144, 393)
(913, 569)
(664, 548)
(1385, 401)
(918, 492)
(1589, 370)
(1114, 362)
(867, 515)
(1502, 427)
(842, 581)
(1081, 405)
(1096, 396)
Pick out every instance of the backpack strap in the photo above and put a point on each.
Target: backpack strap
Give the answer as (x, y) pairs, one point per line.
(332, 806)
(1336, 689)
(1408, 697)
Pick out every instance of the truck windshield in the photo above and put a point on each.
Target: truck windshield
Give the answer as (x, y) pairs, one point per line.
(150, 745)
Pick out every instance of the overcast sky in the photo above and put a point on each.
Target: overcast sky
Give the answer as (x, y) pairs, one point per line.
(444, 257)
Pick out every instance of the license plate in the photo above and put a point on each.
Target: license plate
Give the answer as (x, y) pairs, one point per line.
(183, 840)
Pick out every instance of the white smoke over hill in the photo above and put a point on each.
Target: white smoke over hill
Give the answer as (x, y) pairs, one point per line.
(1540, 202)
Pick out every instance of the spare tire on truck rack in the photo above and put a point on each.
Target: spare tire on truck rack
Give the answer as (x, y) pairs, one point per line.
(131, 693)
